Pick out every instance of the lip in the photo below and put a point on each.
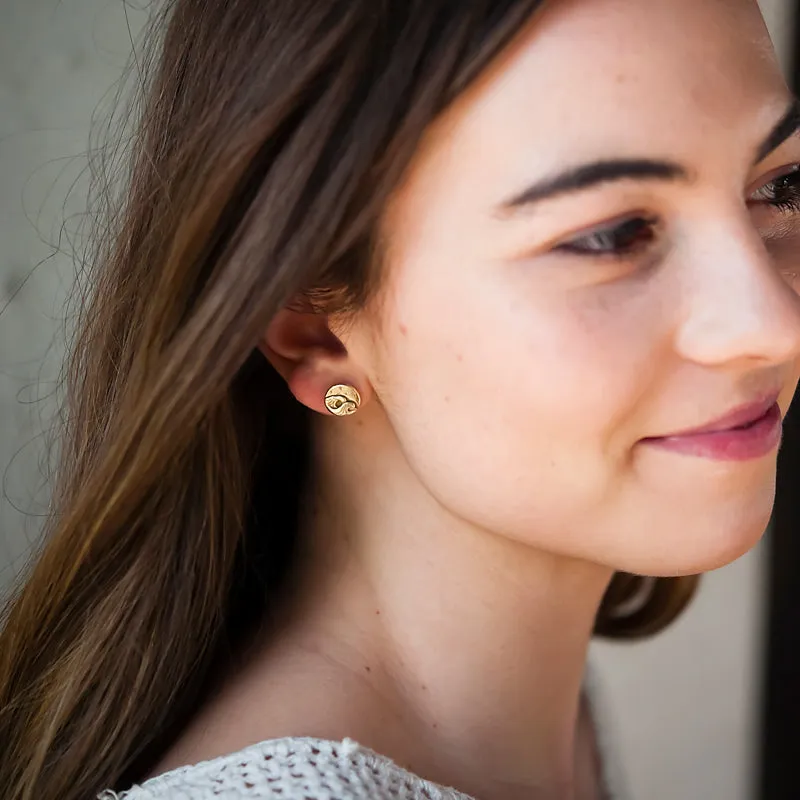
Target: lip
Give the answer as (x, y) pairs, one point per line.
(745, 433)
(742, 415)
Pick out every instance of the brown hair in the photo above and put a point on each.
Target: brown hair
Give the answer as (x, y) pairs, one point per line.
(269, 137)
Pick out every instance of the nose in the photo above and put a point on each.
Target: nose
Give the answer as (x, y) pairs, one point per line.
(737, 303)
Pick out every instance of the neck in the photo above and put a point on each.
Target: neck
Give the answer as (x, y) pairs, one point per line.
(472, 644)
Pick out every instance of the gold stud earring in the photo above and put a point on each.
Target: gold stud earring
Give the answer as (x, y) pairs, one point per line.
(342, 400)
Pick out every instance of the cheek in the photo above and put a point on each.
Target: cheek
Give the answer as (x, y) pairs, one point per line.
(513, 410)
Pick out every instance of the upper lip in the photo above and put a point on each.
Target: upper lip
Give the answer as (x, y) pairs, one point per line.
(741, 415)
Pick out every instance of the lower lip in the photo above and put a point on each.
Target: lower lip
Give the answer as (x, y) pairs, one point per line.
(735, 444)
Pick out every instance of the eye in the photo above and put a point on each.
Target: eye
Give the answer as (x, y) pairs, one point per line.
(622, 239)
(782, 192)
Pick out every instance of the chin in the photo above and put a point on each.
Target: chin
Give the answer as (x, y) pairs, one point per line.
(701, 518)
(695, 532)
(714, 544)
(731, 549)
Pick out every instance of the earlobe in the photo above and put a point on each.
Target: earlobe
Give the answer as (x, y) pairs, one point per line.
(314, 363)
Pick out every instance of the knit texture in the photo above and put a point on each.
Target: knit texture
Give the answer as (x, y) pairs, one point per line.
(301, 768)
(307, 768)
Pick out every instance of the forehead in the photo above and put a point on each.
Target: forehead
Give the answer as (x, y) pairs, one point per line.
(594, 78)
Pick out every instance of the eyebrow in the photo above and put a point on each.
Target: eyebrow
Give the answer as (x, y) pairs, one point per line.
(617, 169)
(787, 126)
(595, 173)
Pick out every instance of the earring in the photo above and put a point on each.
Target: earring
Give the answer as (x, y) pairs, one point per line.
(342, 400)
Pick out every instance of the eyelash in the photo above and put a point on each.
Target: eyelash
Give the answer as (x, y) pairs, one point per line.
(788, 182)
(637, 233)
(639, 230)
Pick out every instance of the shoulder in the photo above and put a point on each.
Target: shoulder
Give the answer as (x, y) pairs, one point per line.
(290, 769)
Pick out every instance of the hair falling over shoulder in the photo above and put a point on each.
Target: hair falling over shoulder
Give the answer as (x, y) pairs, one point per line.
(268, 137)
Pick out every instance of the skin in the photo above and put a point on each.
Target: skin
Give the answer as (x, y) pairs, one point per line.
(466, 521)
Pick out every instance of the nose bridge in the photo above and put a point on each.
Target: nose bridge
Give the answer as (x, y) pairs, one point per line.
(739, 304)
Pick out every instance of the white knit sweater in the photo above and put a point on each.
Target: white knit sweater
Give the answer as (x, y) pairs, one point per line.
(307, 768)
(294, 768)
(300, 768)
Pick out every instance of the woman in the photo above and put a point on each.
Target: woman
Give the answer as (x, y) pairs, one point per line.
(422, 329)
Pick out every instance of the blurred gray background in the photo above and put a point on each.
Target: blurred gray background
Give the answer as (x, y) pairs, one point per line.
(680, 710)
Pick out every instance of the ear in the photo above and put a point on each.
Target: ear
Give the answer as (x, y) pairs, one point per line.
(310, 357)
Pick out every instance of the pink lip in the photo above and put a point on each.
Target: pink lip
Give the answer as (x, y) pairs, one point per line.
(734, 419)
(748, 432)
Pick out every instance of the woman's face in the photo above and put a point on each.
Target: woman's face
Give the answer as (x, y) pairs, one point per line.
(545, 322)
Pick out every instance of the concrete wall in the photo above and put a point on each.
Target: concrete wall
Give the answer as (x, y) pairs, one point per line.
(58, 58)
(681, 709)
